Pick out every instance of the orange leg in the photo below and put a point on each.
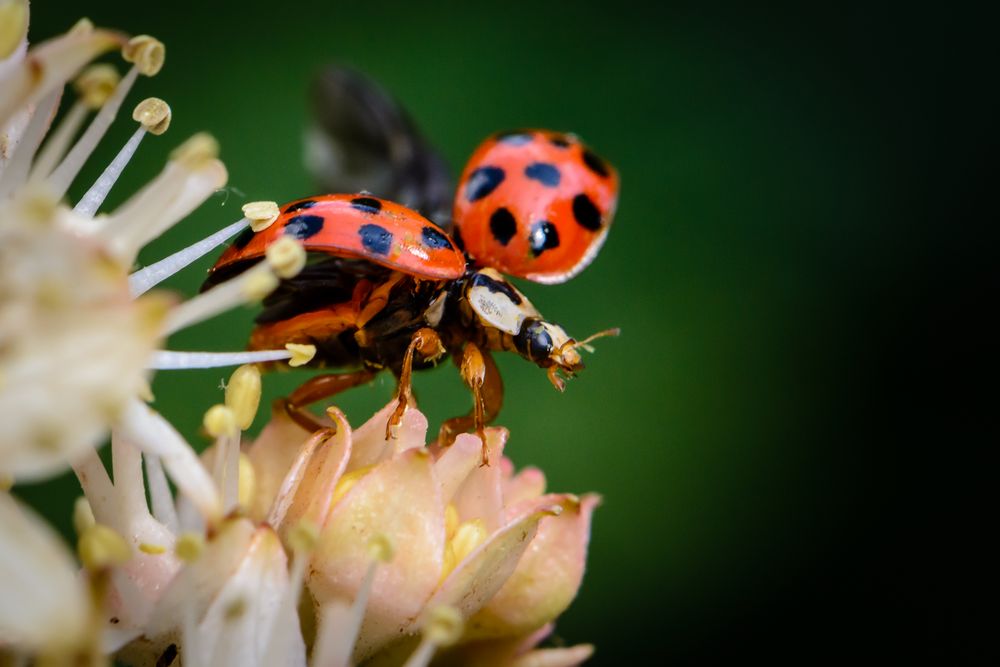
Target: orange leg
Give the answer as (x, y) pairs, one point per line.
(427, 343)
(318, 388)
(481, 374)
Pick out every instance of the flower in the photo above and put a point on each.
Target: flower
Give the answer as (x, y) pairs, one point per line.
(78, 334)
(479, 539)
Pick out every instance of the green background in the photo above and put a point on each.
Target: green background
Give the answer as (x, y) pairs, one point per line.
(769, 246)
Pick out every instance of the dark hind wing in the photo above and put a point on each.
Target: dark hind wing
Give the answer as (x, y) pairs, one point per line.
(361, 139)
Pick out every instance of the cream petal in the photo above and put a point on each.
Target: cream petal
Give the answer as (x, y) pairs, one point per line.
(370, 445)
(525, 485)
(312, 500)
(499, 652)
(479, 576)
(400, 500)
(548, 576)
(481, 495)
(240, 621)
(199, 583)
(555, 657)
(50, 65)
(454, 464)
(44, 604)
(272, 455)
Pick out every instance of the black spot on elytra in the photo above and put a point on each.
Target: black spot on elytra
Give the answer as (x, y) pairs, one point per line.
(482, 182)
(299, 205)
(503, 225)
(167, 657)
(243, 239)
(497, 287)
(367, 204)
(543, 172)
(376, 239)
(559, 140)
(304, 226)
(434, 239)
(543, 237)
(514, 137)
(595, 163)
(586, 213)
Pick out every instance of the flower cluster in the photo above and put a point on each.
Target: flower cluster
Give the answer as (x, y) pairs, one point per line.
(329, 548)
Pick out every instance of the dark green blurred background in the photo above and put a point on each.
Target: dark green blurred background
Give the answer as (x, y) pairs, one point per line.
(756, 430)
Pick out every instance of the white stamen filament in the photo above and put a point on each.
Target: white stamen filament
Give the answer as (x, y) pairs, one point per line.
(67, 171)
(126, 465)
(165, 360)
(160, 497)
(144, 279)
(153, 434)
(282, 632)
(95, 196)
(244, 288)
(347, 635)
(423, 655)
(334, 617)
(226, 470)
(16, 171)
(58, 142)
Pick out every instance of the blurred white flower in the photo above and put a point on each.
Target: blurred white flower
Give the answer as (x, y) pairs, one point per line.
(78, 335)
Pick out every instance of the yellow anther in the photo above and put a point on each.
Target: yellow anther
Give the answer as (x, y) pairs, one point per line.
(243, 394)
(100, 547)
(347, 482)
(303, 536)
(444, 625)
(6, 481)
(189, 546)
(146, 53)
(286, 256)
(152, 549)
(381, 548)
(194, 153)
(96, 83)
(83, 516)
(261, 214)
(153, 114)
(451, 520)
(82, 27)
(259, 285)
(219, 421)
(248, 481)
(467, 537)
(302, 354)
(13, 25)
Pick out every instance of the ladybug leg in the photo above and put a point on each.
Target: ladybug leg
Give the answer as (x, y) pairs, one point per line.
(318, 388)
(481, 374)
(427, 343)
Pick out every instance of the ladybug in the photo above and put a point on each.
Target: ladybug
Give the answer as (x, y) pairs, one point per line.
(387, 288)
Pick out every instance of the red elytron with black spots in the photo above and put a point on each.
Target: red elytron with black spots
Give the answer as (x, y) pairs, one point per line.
(387, 288)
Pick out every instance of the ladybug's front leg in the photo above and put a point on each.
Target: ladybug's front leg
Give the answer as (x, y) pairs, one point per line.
(481, 374)
(427, 343)
(318, 388)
